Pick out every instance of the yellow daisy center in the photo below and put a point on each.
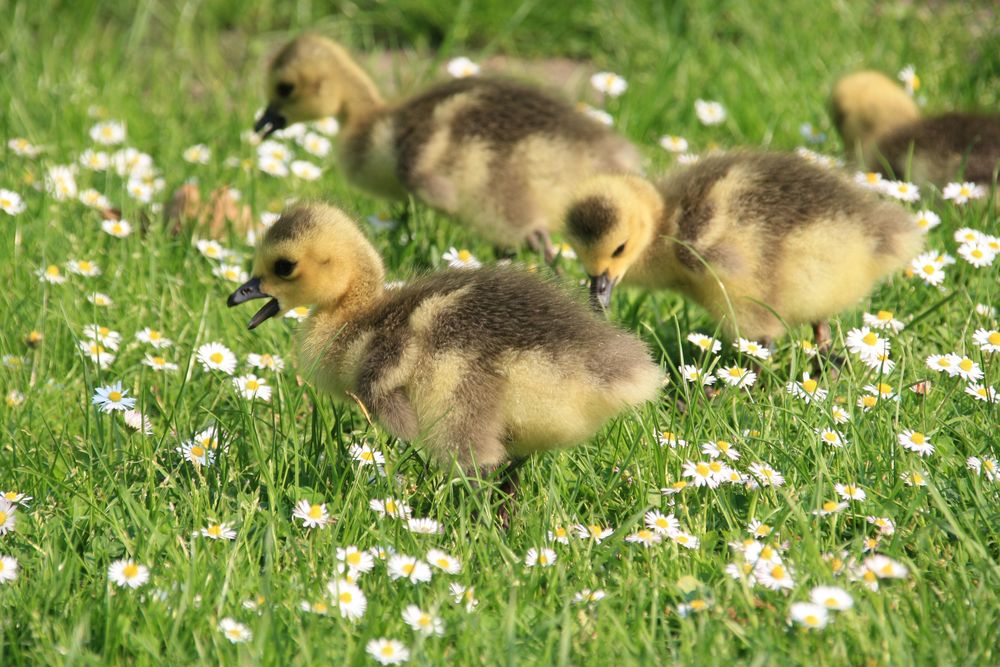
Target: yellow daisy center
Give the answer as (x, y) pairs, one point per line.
(130, 571)
(560, 532)
(320, 607)
(810, 385)
(543, 559)
(3, 518)
(424, 620)
(215, 531)
(965, 364)
(766, 553)
(367, 456)
(870, 338)
(390, 507)
(994, 338)
(829, 506)
(699, 605)
(778, 572)
(346, 597)
(811, 620)
(353, 558)
(216, 358)
(678, 485)
(408, 568)
(387, 650)
(253, 385)
(85, 266)
(884, 315)
(211, 251)
(917, 438)
(917, 478)
(964, 191)
(10, 495)
(702, 470)
(443, 563)
(115, 396)
(883, 388)
(930, 269)
(873, 177)
(197, 451)
(52, 270)
(315, 511)
(464, 255)
(159, 361)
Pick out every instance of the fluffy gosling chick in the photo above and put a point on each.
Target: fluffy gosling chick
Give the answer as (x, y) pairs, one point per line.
(482, 365)
(882, 126)
(754, 238)
(499, 156)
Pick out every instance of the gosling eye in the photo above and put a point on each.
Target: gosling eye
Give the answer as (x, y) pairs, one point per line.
(618, 251)
(284, 89)
(283, 268)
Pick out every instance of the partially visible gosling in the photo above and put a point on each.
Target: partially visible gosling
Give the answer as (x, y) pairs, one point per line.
(483, 366)
(757, 239)
(500, 156)
(881, 126)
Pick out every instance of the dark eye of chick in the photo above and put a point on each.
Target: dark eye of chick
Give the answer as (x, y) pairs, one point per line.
(285, 89)
(283, 268)
(618, 251)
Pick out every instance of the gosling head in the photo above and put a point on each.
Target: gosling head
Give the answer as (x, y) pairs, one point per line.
(310, 78)
(314, 255)
(610, 222)
(868, 104)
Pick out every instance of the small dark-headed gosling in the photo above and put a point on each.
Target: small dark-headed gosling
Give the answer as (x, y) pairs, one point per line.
(742, 234)
(483, 366)
(499, 156)
(881, 126)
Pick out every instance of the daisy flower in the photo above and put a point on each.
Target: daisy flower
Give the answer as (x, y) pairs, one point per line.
(830, 437)
(230, 272)
(388, 651)
(153, 337)
(251, 387)
(365, 455)
(881, 390)
(926, 220)
(947, 363)
(15, 498)
(137, 421)
(421, 526)
(982, 393)
(929, 267)
(914, 478)
(313, 515)
(112, 398)
(274, 150)
(902, 190)
(461, 259)
(559, 534)
(883, 319)
(14, 398)
(884, 524)
(211, 249)
(831, 597)
(234, 631)
(50, 274)
(963, 192)
(464, 594)
(94, 199)
(103, 335)
(759, 529)
(985, 466)
(83, 267)
(218, 531)
(968, 370)
(979, 254)
(314, 144)
(673, 143)
(775, 576)
(908, 75)
(686, 540)
(319, 607)
(351, 601)
(602, 117)
(706, 343)
(687, 158)
(864, 341)
(390, 507)
(850, 492)
(701, 474)
(266, 361)
(8, 569)
(753, 348)
(988, 340)
(128, 573)
(10, 202)
(305, 170)
(197, 454)
(462, 67)
(809, 615)
(719, 448)
(664, 524)
(158, 363)
(412, 569)
(422, 621)
(694, 374)
(99, 354)
(272, 167)
(8, 517)
(766, 475)
(830, 507)
(645, 537)
(588, 596)
(197, 154)
(443, 561)
(23, 148)
(736, 376)
(299, 313)
(808, 390)
(669, 439)
(869, 179)
(915, 441)
(609, 83)
(109, 132)
(709, 113)
(685, 609)
(885, 568)
(356, 559)
(594, 531)
(117, 228)
(216, 356)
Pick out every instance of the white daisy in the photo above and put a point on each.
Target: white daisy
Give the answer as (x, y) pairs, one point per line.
(387, 651)
(350, 600)
(901, 190)
(926, 220)
(673, 143)
(8, 569)
(915, 441)
(960, 193)
(216, 356)
(461, 259)
(117, 228)
(412, 569)
(10, 202)
(443, 561)
(235, 631)
(112, 398)
(709, 113)
(753, 348)
(809, 615)
(128, 573)
(312, 515)
(197, 154)
(462, 67)
(423, 622)
(109, 132)
(305, 170)
(704, 342)
(609, 83)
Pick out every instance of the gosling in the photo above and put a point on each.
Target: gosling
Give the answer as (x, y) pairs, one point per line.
(881, 125)
(499, 156)
(483, 366)
(759, 240)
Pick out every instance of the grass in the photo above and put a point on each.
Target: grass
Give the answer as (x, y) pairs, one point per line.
(183, 73)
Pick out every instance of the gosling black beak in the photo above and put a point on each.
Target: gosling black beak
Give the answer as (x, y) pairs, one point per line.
(270, 121)
(600, 291)
(251, 290)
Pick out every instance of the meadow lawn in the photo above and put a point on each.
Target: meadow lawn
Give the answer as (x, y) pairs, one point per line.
(174, 540)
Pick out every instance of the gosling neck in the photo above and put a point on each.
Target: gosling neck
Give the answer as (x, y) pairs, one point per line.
(362, 295)
(361, 98)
